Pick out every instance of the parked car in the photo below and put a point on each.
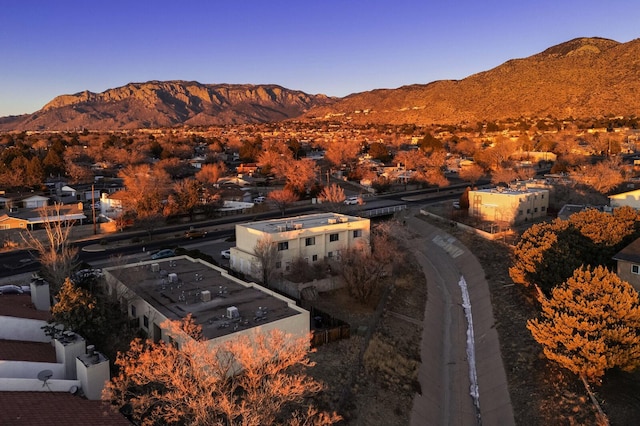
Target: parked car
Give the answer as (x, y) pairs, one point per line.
(195, 233)
(259, 200)
(226, 254)
(163, 254)
(11, 289)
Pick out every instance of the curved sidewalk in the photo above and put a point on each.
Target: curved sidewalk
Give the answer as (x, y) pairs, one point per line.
(444, 373)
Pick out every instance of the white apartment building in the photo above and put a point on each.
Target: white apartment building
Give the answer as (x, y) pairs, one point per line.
(512, 205)
(311, 237)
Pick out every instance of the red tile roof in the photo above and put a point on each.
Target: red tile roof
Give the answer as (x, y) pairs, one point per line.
(17, 350)
(20, 306)
(55, 408)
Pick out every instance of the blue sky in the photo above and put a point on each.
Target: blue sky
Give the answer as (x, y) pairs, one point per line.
(335, 47)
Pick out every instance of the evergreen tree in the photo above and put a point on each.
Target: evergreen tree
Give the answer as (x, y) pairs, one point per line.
(590, 324)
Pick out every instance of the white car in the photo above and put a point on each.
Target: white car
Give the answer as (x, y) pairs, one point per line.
(259, 200)
(352, 200)
(226, 254)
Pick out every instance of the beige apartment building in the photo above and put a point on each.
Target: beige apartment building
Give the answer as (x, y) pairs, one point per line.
(512, 205)
(311, 237)
(224, 306)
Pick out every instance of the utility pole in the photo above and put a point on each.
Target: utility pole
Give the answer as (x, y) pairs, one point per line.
(93, 209)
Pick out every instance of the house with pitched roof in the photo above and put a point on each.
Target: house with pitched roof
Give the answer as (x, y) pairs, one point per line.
(628, 264)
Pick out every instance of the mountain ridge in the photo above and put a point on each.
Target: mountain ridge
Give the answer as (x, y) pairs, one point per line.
(167, 104)
(583, 77)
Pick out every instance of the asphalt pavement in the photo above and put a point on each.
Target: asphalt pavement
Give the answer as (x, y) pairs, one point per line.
(445, 375)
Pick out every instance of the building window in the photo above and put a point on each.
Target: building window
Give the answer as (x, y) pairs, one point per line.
(357, 233)
(284, 245)
(635, 269)
(535, 210)
(278, 265)
(520, 212)
(330, 254)
(134, 313)
(542, 196)
(334, 237)
(311, 241)
(528, 211)
(314, 258)
(145, 321)
(543, 208)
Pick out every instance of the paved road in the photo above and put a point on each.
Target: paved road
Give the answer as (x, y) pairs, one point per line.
(444, 374)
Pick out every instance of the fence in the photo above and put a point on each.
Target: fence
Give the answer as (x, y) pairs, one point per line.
(326, 328)
(383, 211)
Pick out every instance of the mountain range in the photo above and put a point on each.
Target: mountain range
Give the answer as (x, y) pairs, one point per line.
(584, 77)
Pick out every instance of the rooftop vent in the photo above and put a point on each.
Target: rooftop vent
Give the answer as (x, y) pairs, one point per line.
(232, 312)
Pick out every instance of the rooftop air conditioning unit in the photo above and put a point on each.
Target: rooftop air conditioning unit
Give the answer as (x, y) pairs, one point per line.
(173, 278)
(297, 226)
(332, 221)
(232, 312)
(343, 219)
(281, 228)
(155, 267)
(206, 295)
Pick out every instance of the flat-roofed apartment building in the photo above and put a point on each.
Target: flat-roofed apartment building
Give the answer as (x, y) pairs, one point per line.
(224, 306)
(512, 205)
(312, 237)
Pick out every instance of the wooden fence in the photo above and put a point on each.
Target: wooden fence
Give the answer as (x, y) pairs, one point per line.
(326, 329)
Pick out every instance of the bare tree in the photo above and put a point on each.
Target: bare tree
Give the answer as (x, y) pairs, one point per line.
(211, 173)
(602, 177)
(501, 175)
(146, 189)
(333, 195)
(282, 198)
(362, 269)
(57, 257)
(268, 255)
(249, 380)
(471, 173)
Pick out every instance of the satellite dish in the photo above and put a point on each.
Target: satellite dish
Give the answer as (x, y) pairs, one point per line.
(45, 375)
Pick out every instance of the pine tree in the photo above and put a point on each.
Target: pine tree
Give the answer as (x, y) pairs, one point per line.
(590, 324)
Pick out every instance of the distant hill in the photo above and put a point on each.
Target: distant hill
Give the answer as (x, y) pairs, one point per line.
(167, 104)
(583, 77)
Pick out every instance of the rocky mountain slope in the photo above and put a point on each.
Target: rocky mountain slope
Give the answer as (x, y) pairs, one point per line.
(167, 104)
(583, 77)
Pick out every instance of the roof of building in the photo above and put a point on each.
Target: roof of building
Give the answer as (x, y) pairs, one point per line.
(512, 190)
(568, 209)
(20, 306)
(40, 408)
(176, 285)
(43, 408)
(301, 222)
(630, 253)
